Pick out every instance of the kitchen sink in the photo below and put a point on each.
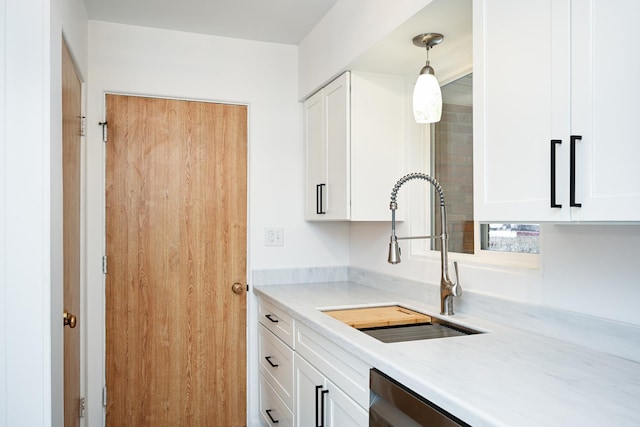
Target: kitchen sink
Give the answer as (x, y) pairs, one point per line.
(418, 331)
(394, 323)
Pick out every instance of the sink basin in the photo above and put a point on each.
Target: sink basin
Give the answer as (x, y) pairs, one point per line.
(418, 331)
(394, 323)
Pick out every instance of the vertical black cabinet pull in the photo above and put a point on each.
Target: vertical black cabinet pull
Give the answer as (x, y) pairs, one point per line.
(319, 209)
(273, 365)
(318, 388)
(572, 172)
(269, 316)
(268, 411)
(553, 173)
(324, 393)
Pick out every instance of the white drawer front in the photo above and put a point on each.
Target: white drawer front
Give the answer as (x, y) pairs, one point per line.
(273, 410)
(276, 363)
(277, 321)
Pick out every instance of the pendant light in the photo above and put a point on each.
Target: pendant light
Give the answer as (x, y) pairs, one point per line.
(427, 97)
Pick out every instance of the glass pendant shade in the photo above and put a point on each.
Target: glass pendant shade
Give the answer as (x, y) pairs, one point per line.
(427, 99)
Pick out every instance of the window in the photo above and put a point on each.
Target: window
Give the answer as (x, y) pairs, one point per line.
(519, 238)
(452, 164)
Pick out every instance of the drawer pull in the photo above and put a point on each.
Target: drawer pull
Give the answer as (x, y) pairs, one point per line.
(270, 317)
(268, 359)
(268, 411)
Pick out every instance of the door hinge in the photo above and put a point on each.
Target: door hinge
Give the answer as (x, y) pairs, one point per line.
(104, 130)
(83, 407)
(83, 126)
(104, 396)
(104, 264)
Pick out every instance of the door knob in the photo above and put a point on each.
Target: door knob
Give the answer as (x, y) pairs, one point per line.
(69, 319)
(237, 288)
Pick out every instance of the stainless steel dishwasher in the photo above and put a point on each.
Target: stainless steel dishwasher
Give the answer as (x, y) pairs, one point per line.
(394, 405)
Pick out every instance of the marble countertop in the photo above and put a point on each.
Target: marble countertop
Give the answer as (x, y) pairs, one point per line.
(504, 377)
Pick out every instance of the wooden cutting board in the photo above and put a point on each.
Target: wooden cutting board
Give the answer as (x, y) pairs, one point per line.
(372, 317)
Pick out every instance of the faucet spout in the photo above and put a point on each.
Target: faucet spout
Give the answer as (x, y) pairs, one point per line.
(448, 287)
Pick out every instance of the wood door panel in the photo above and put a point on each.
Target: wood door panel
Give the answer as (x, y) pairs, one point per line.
(176, 242)
(71, 157)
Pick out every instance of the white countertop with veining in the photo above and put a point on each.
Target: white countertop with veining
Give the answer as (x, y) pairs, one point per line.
(505, 377)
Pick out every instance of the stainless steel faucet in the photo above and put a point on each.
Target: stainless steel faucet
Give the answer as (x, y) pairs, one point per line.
(448, 288)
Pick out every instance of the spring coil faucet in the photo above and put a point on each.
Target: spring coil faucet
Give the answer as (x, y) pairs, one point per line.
(448, 288)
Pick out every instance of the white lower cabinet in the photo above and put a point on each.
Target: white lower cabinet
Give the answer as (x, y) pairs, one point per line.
(319, 402)
(275, 352)
(306, 379)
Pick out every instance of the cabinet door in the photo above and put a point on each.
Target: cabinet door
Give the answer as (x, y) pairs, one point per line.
(521, 102)
(319, 402)
(327, 138)
(605, 92)
(337, 114)
(342, 411)
(309, 396)
(315, 155)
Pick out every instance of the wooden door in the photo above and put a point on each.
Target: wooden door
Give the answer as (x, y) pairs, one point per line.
(175, 244)
(71, 116)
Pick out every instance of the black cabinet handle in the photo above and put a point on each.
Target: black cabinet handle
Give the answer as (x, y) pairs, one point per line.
(324, 393)
(572, 172)
(269, 316)
(268, 359)
(318, 388)
(268, 411)
(319, 209)
(553, 173)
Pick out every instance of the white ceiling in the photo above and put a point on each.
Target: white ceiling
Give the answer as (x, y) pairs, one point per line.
(278, 21)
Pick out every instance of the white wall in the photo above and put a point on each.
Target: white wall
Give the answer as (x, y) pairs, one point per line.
(589, 269)
(26, 215)
(31, 210)
(136, 60)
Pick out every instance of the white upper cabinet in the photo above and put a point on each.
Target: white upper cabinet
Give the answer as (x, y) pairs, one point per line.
(353, 147)
(327, 135)
(555, 111)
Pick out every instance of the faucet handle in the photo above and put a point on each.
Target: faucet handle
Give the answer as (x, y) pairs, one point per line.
(456, 289)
